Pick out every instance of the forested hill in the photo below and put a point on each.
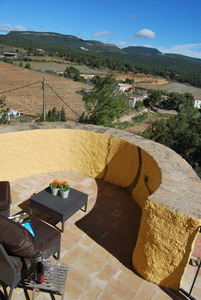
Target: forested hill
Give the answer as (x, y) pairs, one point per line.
(96, 54)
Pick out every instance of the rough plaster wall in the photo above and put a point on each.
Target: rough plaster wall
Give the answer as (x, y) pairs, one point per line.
(165, 239)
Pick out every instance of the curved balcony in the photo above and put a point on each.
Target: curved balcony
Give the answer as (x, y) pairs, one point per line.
(163, 184)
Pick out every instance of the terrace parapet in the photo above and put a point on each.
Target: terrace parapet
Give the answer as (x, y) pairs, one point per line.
(162, 183)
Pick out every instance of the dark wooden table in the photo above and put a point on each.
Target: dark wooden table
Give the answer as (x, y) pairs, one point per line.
(57, 207)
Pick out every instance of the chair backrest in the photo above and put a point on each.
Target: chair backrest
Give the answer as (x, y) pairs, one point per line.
(5, 198)
(8, 272)
(16, 239)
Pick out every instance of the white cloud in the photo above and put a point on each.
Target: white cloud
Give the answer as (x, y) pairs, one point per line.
(193, 50)
(145, 33)
(102, 33)
(8, 27)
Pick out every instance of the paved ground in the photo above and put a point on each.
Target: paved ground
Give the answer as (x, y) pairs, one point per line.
(97, 246)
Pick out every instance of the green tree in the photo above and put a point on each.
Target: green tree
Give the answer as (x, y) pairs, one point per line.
(54, 115)
(155, 97)
(73, 73)
(27, 66)
(182, 133)
(105, 104)
(130, 81)
(3, 111)
(63, 115)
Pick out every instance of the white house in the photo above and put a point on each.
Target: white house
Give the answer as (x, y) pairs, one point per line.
(124, 87)
(197, 104)
(135, 98)
(12, 114)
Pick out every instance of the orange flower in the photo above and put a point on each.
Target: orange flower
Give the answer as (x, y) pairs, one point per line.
(64, 182)
(64, 186)
(54, 183)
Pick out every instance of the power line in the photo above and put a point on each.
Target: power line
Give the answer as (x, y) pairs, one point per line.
(43, 87)
(62, 99)
(18, 88)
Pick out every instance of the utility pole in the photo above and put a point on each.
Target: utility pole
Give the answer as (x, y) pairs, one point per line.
(43, 87)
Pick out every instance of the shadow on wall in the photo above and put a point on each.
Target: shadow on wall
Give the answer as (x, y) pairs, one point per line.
(113, 222)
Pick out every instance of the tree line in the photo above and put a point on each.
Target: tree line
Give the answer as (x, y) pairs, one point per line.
(178, 69)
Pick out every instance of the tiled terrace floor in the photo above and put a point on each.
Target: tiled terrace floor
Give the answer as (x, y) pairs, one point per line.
(97, 246)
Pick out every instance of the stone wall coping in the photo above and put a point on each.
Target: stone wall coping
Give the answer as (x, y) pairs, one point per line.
(180, 188)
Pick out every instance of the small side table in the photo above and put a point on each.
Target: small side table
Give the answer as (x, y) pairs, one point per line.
(60, 209)
(55, 280)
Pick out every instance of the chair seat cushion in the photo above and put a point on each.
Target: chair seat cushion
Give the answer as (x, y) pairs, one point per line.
(16, 239)
(45, 235)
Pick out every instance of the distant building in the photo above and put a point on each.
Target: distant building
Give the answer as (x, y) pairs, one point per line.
(135, 98)
(197, 104)
(12, 114)
(88, 91)
(125, 87)
(10, 54)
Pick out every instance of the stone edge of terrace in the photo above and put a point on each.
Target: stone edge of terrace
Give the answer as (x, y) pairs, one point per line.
(180, 187)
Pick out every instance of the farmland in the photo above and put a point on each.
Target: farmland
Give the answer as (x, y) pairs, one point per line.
(179, 88)
(29, 100)
(60, 66)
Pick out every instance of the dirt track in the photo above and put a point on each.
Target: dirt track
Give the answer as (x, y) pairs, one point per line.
(29, 100)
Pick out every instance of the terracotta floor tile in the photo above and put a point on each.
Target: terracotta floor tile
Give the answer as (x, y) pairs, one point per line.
(68, 242)
(130, 279)
(73, 254)
(145, 292)
(107, 273)
(92, 293)
(161, 296)
(89, 264)
(97, 245)
(109, 295)
(74, 275)
(97, 250)
(86, 242)
(121, 290)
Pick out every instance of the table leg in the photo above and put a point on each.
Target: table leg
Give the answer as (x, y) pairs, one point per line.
(85, 208)
(62, 226)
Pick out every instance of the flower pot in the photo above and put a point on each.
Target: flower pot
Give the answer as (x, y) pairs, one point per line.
(54, 191)
(64, 194)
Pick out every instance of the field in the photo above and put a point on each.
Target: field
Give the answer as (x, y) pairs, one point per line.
(28, 100)
(180, 88)
(60, 66)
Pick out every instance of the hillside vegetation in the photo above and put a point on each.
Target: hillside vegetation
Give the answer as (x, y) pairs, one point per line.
(99, 55)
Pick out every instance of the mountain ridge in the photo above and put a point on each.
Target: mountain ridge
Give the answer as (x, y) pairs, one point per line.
(73, 41)
(98, 55)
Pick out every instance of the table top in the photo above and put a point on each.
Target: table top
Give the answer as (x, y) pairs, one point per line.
(75, 201)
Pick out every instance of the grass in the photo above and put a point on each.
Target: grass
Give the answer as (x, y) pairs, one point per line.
(60, 67)
(180, 88)
(141, 120)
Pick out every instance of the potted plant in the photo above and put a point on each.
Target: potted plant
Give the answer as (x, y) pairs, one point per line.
(54, 186)
(64, 189)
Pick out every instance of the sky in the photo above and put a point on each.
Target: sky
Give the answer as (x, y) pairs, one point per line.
(171, 26)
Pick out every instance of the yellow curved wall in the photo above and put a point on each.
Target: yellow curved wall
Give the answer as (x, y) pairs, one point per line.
(165, 236)
(32, 152)
(166, 240)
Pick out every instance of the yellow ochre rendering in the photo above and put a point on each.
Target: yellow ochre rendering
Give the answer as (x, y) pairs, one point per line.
(159, 180)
